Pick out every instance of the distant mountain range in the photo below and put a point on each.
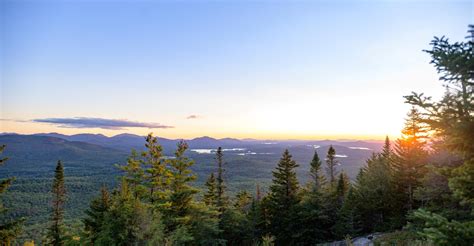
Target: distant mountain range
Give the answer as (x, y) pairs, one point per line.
(127, 142)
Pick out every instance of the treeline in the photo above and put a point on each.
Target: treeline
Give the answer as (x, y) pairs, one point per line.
(421, 186)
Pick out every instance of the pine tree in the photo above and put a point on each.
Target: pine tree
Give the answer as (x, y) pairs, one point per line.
(387, 152)
(243, 200)
(9, 230)
(256, 220)
(182, 192)
(347, 221)
(317, 179)
(411, 157)
(343, 185)
(135, 174)
(311, 227)
(331, 163)
(210, 196)
(129, 221)
(56, 230)
(94, 222)
(283, 199)
(157, 175)
(376, 202)
(221, 199)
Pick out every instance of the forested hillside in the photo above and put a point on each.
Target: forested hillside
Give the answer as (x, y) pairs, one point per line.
(89, 166)
(416, 190)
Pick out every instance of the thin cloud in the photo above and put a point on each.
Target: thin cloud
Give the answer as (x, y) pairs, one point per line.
(193, 116)
(110, 124)
(13, 120)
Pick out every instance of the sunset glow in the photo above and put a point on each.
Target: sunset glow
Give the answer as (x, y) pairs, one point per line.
(285, 71)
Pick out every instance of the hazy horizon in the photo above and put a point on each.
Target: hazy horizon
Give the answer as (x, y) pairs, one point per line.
(204, 136)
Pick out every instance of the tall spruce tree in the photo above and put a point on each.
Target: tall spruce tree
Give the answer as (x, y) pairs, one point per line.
(9, 230)
(221, 198)
(317, 178)
(376, 203)
(283, 199)
(94, 222)
(331, 164)
(157, 174)
(347, 223)
(343, 185)
(210, 195)
(411, 157)
(387, 152)
(311, 228)
(182, 192)
(56, 231)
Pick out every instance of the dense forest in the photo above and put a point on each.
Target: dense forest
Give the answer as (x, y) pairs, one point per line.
(419, 190)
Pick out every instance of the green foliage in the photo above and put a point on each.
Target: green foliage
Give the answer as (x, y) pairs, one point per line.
(179, 208)
(441, 231)
(210, 196)
(348, 222)
(221, 198)
(462, 182)
(313, 222)
(9, 230)
(331, 163)
(375, 197)
(56, 233)
(410, 158)
(343, 185)
(317, 178)
(128, 221)
(157, 176)
(95, 220)
(204, 225)
(283, 199)
(451, 120)
(268, 240)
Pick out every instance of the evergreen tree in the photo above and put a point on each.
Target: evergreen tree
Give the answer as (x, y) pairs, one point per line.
(317, 179)
(451, 119)
(283, 199)
(243, 200)
(347, 220)
(221, 199)
(312, 220)
(387, 150)
(375, 196)
(210, 196)
(135, 174)
(129, 221)
(94, 222)
(9, 230)
(56, 231)
(342, 187)
(257, 224)
(182, 192)
(410, 158)
(157, 174)
(331, 163)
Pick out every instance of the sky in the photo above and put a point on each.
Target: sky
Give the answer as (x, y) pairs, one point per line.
(243, 69)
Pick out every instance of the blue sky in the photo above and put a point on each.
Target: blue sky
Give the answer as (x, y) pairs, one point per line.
(264, 69)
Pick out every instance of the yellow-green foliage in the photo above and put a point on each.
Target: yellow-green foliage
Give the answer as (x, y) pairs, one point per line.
(29, 243)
